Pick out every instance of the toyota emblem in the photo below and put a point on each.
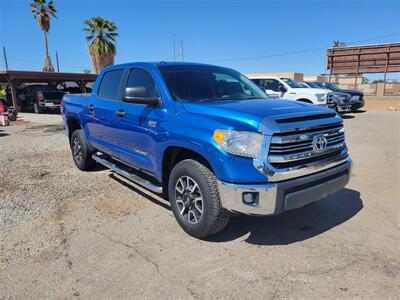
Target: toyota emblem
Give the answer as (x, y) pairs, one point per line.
(319, 143)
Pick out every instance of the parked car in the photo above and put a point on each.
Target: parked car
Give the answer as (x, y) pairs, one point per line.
(357, 97)
(76, 90)
(337, 100)
(38, 97)
(289, 89)
(209, 140)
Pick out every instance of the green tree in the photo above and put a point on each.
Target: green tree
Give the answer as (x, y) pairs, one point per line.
(43, 11)
(101, 36)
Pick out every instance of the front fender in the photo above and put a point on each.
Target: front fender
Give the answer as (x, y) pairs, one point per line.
(225, 166)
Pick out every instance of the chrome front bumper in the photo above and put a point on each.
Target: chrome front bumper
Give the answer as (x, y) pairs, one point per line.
(277, 197)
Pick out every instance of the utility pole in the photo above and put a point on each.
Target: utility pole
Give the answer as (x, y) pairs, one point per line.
(58, 65)
(5, 57)
(174, 47)
(181, 51)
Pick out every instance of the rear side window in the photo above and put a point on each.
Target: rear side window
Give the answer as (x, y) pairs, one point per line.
(109, 84)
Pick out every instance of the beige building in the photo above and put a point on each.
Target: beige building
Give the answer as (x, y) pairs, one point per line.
(292, 75)
(315, 78)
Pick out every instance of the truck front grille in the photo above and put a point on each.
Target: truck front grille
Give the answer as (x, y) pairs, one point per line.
(291, 149)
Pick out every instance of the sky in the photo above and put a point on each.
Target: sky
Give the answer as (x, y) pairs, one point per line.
(247, 35)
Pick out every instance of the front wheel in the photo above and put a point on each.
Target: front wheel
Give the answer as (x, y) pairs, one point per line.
(194, 198)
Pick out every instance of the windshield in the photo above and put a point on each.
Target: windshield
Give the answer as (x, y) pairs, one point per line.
(303, 85)
(313, 85)
(331, 86)
(292, 83)
(205, 83)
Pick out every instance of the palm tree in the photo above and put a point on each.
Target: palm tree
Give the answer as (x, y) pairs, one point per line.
(101, 35)
(43, 11)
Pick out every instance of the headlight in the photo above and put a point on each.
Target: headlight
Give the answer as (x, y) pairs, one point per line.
(332, 98)
(242, 143)
(321, 97)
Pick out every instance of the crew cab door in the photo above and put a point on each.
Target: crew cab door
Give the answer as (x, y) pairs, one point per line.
(137, 125)
(274, 88)
(101, 109)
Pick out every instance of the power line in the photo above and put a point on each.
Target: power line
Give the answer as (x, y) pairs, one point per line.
(37, 63)
(299, 51)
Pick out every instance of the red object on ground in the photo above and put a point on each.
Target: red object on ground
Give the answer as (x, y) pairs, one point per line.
(2, 108)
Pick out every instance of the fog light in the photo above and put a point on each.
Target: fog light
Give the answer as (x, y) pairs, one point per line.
(250, 198)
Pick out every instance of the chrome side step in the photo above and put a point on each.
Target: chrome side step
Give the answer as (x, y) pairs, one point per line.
(136, 179)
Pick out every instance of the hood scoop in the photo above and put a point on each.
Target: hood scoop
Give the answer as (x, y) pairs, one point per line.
(305, 118)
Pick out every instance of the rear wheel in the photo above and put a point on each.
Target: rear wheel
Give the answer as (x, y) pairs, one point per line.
(194, 198)
(37, 109)
(80, 152)
(12, 114)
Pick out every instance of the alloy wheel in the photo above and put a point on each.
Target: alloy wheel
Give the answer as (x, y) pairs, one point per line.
(189, 199)
(77, 149)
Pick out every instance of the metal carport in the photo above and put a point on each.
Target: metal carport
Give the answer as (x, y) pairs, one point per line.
(16, 78)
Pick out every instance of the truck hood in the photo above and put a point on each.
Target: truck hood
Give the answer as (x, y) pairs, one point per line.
(341, 94)
(351, 92)
(310, 91)
(251, 112)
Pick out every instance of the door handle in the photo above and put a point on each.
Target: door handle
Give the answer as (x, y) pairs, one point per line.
(120, 113)
(91, 107)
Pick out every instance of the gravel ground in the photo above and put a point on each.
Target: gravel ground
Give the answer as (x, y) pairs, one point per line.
(68, 234)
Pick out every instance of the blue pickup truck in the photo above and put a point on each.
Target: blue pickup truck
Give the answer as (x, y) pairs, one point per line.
(207, 139)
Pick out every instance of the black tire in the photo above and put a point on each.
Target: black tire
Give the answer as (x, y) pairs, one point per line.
(12, 114)
(214, 217)
(80, 152)
(37, 109)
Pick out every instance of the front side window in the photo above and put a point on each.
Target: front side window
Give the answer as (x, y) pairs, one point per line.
(272, 85)
(140, 84)
(191, 83)
(109, 84)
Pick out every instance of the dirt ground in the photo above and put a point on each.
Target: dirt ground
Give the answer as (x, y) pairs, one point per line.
(382, 104)
(67, 234)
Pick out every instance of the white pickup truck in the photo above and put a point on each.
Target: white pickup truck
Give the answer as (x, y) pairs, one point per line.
(289, 89)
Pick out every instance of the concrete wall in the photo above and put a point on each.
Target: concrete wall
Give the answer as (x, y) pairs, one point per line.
(349, 80)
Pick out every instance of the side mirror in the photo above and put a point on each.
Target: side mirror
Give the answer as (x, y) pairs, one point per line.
(282, 89)
(139, 95)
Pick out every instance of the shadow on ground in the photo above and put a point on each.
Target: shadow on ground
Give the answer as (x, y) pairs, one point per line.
(146, 195)
(287, 228)
(346, 116)
(360, 111)
(46, 128)
(296, 225)
(3, 133)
